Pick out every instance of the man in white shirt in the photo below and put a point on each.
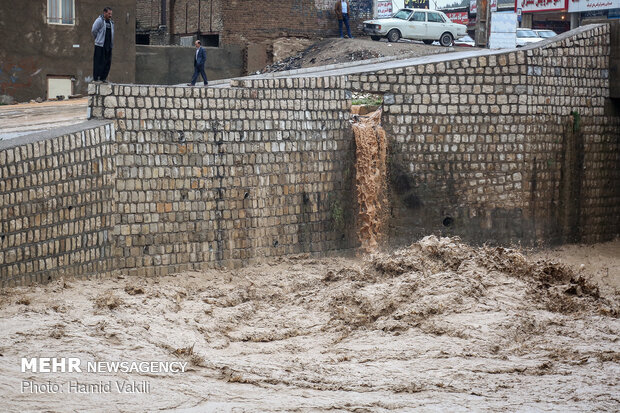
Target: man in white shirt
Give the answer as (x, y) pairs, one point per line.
(342, 12)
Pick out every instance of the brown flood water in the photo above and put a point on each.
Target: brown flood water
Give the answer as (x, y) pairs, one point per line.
(439, 326)
(370, 176)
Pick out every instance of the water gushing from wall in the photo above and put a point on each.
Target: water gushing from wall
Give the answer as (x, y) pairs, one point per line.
(370, 166)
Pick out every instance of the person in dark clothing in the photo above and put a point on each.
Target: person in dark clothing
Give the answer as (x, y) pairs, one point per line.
(342, 13)
(103, 33)
(199, 64)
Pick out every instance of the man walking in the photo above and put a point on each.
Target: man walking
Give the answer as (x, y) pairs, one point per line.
(103, 33)
(342, 13)
(199, 64)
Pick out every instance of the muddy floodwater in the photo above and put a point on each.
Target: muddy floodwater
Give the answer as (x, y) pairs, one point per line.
(438, 326)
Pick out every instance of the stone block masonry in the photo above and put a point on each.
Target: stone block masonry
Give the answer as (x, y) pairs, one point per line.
(509, 147)
(183, 179)
(56, 204)
(502, 147)
(209, 177)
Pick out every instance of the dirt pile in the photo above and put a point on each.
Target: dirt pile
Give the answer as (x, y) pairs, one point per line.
(319, 54)
(437, 325)
(371, 180)
(335, 51)
(285, 47)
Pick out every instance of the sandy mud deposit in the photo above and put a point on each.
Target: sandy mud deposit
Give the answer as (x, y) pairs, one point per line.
(438, 326)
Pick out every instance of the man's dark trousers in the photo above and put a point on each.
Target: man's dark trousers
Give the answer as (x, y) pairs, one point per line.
(199, 65)
(345, 20)
(102, 62)
(199, 69)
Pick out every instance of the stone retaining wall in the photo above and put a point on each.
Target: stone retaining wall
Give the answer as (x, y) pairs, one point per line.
(209, 177)
(507, 147)
(512, 147)
(56, 204)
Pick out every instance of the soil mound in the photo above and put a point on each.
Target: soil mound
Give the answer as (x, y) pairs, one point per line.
(334, 51)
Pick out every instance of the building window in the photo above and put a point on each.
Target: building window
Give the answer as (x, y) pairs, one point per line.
(61, 11)
(143, 38)
(210, 40)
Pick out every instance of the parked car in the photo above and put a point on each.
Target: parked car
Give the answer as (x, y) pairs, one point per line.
(527, 36)
(465, 41)
(544, 33)
(416, 24)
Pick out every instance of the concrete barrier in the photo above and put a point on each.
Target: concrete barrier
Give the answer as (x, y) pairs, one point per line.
(170, 65)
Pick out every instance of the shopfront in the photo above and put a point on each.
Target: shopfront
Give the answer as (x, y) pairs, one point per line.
(544, 14)
(590, 11)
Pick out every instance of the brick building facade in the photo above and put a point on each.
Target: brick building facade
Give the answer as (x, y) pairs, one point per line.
(47, 51)
(241, 22)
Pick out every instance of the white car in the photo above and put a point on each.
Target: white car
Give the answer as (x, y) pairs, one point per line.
(544, 33)
(416, 24)
(527, 36)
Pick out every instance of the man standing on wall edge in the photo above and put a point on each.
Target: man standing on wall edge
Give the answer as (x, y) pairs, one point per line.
(199, 64)
(103, 33)
(342, 13)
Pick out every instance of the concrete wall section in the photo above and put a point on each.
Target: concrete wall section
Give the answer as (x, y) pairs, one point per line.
(31, 49)
(170, 65)
(56, 204)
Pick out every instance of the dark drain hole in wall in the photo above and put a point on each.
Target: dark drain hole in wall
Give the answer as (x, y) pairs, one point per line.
(448, 221)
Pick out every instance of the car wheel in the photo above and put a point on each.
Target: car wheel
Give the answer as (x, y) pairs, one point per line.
(393, 35)
(445, 39)
(428, 41)
(375, 38)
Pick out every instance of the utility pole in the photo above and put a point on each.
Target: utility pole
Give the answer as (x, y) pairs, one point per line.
(482, 17)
